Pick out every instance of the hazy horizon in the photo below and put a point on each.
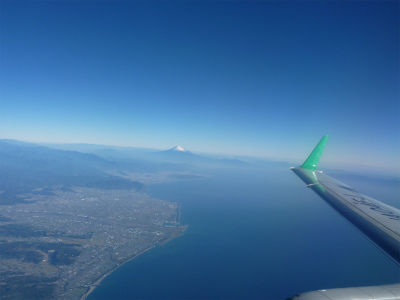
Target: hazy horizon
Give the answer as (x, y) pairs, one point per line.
(325, 162)
(252, 78)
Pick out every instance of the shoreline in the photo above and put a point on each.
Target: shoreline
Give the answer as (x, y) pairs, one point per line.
(94, 285)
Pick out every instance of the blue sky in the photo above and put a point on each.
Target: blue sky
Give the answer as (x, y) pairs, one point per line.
(260, 78)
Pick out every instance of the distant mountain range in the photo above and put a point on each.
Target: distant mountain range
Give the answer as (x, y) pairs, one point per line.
(26, 166)
(100, 157)
(174, 156)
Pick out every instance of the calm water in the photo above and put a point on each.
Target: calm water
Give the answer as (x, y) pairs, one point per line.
(252, 235)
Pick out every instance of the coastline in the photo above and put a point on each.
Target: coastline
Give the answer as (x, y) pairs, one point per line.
(93, 286)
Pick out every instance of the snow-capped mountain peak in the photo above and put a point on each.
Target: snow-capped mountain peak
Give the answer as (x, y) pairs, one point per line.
(179, 148)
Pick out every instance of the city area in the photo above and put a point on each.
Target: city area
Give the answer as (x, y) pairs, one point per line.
(60, 245)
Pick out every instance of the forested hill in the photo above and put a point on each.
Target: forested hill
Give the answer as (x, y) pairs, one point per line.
(28, 168)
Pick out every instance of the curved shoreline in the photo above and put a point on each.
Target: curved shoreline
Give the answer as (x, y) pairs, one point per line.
(93, 286)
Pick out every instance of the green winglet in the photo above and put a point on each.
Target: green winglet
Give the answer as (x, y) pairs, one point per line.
(312, 161)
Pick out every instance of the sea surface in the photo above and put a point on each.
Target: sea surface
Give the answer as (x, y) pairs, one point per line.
(254, 234)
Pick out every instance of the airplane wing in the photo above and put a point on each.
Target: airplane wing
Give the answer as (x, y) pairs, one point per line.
(376, 220)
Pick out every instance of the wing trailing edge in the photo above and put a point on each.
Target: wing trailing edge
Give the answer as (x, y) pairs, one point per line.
(379, 222)
(382, 292)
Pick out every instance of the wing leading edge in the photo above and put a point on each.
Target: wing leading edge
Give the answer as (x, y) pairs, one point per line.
(376, 220)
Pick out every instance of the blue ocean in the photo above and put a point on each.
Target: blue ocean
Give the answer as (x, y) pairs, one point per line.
(254, 234)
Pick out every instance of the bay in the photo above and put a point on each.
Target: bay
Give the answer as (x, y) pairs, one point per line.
(253, 234)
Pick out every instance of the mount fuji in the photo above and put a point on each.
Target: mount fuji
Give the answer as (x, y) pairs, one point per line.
(178, 155)
(178, 149)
